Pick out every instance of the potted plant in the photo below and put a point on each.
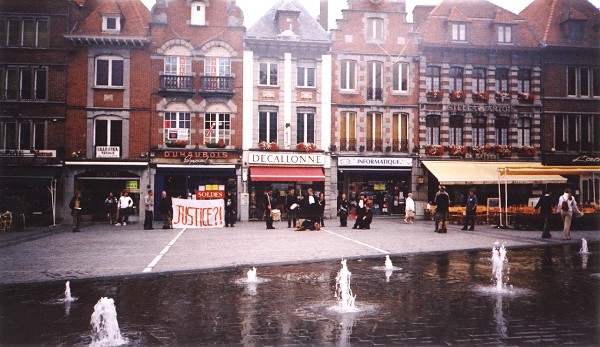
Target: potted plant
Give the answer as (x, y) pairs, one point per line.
(435, 94)
(481, 149)
(457, 96)
(527, 151)
(220, 144)
(504, 151)
(268, 146)
(502, 96)
(457, 150)
(176, 144)
(527, 97)
(484, 96)
(436, 150)
(306, 147)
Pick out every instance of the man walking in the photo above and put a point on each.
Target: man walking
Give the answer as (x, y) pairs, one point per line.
(148, 210)
(291, 205)
(471, 210)
(75, 205)
(125, 205)
(166, 210)
(545, 206)
(567, 208)
(442, 202)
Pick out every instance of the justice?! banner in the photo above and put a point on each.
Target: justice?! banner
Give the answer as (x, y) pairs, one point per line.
(198, 213)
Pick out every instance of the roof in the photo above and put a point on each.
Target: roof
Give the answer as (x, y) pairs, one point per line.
(308, 29)
(135, 18)
(546, 16)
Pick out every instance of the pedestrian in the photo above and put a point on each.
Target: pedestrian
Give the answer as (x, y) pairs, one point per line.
(166, 210)
(470, 210)
(367, 217)
(75, 206)
(321, 210)
(230, 209)
(148, 210)
(125, 205)
(268, 202)
(409, 213)
(291, 206)
(567, 207)
(309, 210)
(442, 202)
(360, 210)
(343, 210)
(110, 204)
(545, 206)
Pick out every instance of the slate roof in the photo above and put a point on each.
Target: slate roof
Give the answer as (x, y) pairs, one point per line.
(134, 23)
(546, 16)
(308, 28)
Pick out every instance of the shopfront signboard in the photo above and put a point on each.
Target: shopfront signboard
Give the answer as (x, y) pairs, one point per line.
(281, 158)
(374, 161)
(108, 152)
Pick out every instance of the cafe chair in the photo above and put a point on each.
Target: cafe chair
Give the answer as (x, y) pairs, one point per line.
(6, 221)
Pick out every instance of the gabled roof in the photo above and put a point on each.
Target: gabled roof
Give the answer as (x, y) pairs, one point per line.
(504, 17)
(308, 28)
(546, 16)
(457, 16)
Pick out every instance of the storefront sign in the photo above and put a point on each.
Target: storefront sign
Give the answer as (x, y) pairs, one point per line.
(575, 160)
(108, 152)
(286, 158)
(198, 213)
(192, 155)
(480, 108)
(210, 194)
(21, 153)
(374, 161)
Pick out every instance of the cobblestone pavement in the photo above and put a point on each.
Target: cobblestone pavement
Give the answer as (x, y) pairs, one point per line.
(101, 250)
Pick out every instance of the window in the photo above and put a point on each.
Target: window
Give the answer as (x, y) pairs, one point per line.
(504, 34)
(217, 127)
(456, 130)
(596, 81)
(24, 32)
(111, 23)
(305, 129)
(502, 80)
(432, 129)
(374, 87)
(374, 131)
(524, 131)
(178, 66)
(524, 81)
(214, 68)
(400, 132)
(501, 126)
(375, 29)
(400, 77)
(305, 76)
(177, 127)
(478, 130)
(198, 16)
(348, 75)
(348, 131)
(583, 81)
(459, 31)
(456, 79)
(267, 126)
(433, 78)
(109, 71)
(268, 74)
(23, 135)
(479, 80)
(108, 132)
(577, 133)
(23, 83)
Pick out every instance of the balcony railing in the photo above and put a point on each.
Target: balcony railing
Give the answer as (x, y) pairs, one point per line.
(374, 93)
(177, 84)
(216, 86)
(347, 144)
(400, 145)
(375, 145)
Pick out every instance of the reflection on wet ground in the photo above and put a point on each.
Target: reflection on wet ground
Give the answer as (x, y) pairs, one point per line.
(437, 299)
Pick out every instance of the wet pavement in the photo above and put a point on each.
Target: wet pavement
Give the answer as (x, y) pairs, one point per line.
(181, 287)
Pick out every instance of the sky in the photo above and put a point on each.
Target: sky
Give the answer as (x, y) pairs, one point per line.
(254, 9)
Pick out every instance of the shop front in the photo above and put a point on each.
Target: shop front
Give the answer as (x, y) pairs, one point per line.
(194, 174)
(281, 171)
(384, 180)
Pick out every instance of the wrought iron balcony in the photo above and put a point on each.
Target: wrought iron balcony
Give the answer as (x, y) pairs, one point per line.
(177, 84)
(375, 145)
(347, 144)
(374, 93)
(221, 86)
(400, 146)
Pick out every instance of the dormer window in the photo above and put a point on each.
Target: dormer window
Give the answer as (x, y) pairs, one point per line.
(459, 31)
(111, 23)
(198, 13)
(504, 34)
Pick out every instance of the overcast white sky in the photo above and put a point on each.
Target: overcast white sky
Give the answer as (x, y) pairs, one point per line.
(254, 9)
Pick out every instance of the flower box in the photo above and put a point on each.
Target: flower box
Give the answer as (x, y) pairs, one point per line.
(268, 146)
(527, 151)
(527, 97)
(502, 96)
(219, 144)
(458, 96)
(457, 151)
(306, 147)
(176, 144)
(504, 151)
(485, 96)
(435, 94)
(435, 150)
(481, 149)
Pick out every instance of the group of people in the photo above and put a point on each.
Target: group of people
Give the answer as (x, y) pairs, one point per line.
(566, 207)
(306, 209)
(442, 206)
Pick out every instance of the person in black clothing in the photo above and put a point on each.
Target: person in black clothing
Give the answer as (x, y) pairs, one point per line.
(110, 203)
(267, 201)
(360, 210)
(442, 202)
(291, 205)
(321, 211)
(230, 209)
(367, 217)
(471, 210)
(75, 205)
(545, 206)
(309, 210)
(343, 210)
(166, 210)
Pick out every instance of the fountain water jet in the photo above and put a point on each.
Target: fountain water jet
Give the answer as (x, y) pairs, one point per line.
(498, 260)
(105, 328)
(252, 275)
(343, 291)
(68, 297)
(584, 247)
(388, 263)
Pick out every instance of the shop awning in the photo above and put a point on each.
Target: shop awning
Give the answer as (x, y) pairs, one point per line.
(454, 172)
(287, 174)
(30, 172)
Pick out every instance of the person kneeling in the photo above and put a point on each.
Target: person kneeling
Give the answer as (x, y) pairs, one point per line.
(307, 224)
(365, 222)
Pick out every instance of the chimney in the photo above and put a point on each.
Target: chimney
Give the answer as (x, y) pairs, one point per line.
(324, 15)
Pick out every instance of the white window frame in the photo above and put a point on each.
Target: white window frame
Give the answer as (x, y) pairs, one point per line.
(221, 130)
(117, 19)
(182, 121)
(198, 13)
(459, 32)
(305, 72)
(505, 34)
(270, 76)
(375, 29)
(401, 70)
(349, 66)
(110, 60)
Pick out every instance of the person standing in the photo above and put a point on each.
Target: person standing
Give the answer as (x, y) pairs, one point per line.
(166, 210)
(75, 205)
(110, 203)
(409, 214)
(291, 205)
(321, 204)
(125, 204)
(148, 210)
(545, 206)
(567, 208)
(470, 210)
(343, 210)
(268, 202)
(442, 203)
(230, 209)
(360, 210)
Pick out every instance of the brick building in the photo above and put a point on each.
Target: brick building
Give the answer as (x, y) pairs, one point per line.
(375, 81)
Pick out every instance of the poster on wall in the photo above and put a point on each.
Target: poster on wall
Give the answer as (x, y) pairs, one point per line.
(198, 213)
